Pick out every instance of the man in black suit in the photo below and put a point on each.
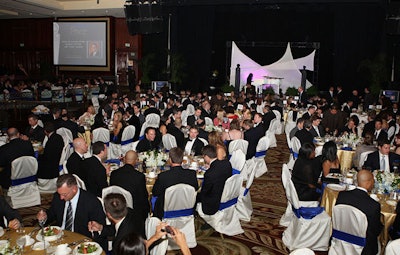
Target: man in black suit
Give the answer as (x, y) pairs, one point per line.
(175, 130)
(34, 132)
(15, 148)
(67, 123)
(333, 120)
(303, 97)
(214, 180)
(95, 174)
(380, 133)
(195, 119)
(128, 178)
(382, 158)
(84, 208)
(149, 141)
(169, 178)
(206, 110)
(152, 109)
(133, 120)
(193, 143)
(50, 159)
(268, 116)
(316, 129)
(310, 112)
(370, 126)
(304, 134)
(12, 216)
(360, 199)
(54, 116)
(252, 135)
(75, 161)
(124, 220)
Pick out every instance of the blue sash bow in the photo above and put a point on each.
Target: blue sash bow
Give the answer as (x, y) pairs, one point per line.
(295, 154)
(235, 171)
(71, 145)
(229, 156)
(228, 203)
(245, 192)
(153, 202)
(307, 212)
(60, 168)
(178, 213)
(141, 138)
(127, 142)
(349, 238)
(261, 154)
(115, 161)
(24, 180)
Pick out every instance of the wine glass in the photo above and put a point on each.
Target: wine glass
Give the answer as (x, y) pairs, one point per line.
(21, 243)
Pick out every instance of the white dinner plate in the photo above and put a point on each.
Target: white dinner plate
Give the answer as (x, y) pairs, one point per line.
(52, 238)
(334, 175)
(40, 246)
(336, 187)
(97, 252)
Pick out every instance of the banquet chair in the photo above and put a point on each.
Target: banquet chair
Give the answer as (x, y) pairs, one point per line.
(27, 94)
(127, 139)
(258, 161)
(225, 220)
(179, 203)
(45, 95)
(80, 182)
(150, 229)
(393, 247)
(169, 141)
(278, 123)
(64, 157)
(244, 207)
(311, 226)
(239, 144)
(24, 191)
(238, 162)
(119, 190)
(270, 133)
(363, 158)
(208, 121)
(134, 144)
(302, 251)
(349, 230)
(152, 120)
(78, 94)
(102, 135)
(295, 148)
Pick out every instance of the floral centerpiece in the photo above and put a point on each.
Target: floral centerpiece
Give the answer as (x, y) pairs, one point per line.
(153, 158)
(88, 120)
(351, 139)
(386, 182)
(6, 249)
(211, 128)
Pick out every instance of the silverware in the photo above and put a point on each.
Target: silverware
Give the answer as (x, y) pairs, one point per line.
(77, 242)
(33, 231)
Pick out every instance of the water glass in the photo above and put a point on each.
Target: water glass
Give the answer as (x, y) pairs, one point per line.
(21, 243)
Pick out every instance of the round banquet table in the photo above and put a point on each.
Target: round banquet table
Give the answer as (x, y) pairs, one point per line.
(387, 212)
(68, 237)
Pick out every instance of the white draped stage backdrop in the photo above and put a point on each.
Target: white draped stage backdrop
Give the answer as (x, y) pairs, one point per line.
(286, 68)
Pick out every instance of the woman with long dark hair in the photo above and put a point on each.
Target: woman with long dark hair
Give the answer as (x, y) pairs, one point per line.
(330, 160)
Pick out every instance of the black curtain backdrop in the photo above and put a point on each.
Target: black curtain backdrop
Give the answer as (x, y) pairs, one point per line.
(348, 34)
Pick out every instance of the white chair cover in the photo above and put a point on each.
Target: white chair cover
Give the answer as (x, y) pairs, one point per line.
(169, 141)
(278, 127)
(134, 145)
(190, 109)
(150, 229)
(271, 135)
(24, 191)
(311, 233)
(184, 117)
(78, 94)
(40, 123)
(119, 190)
(57, 94)
(239, 144)
(27, 94)
(45, 95)
(244, 207)
(208, 121)
(295, 148)
(180, 200)
(393, 247)
(66, 134)
(102, 135)
(152, 120)
(302, 251)
(238, 162)
(259, 159)
(127, 139)
(350, 220)
(47, 185)
(226, 220)
(80, 182)
(93, 92)
(363, 158)
(64, 157)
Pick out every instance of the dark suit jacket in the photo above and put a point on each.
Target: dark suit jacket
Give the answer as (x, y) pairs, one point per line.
(369, 127)
(75, 165)
(306, 116)
(304, 136)
(50, 159)
(213, 185)
(7, 212)
(134, 121)
(72, 126)
(253, 135)
(88, 209)
(37, 134)
(372, 209)
(131, 224)
(8, 152)
(196, 147)
(267, 118)
(167, 179)
(320, 129)
(95, 176)
(179, 137)
(373, 160)
(146, 145)
(151, 110)
(133, 181)
(191, 120)
(383, 135)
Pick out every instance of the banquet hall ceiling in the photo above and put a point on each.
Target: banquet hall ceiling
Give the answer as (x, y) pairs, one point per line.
(14, 9)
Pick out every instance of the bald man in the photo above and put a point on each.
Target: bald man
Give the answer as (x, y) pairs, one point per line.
(360, 199)
(130, 179)
(74, 162)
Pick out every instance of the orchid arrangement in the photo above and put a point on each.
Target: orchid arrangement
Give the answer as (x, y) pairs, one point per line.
(386, 182)
(153, 158)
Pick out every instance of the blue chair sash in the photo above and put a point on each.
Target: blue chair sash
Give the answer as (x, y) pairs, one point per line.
(261, 154)
(295, 154)
(228, 203)
(235, 171)
(349, 238)
(347, 148)
(24, 180)
(229, 156)
(36, 154)
(127, 142)
(141, 138)
(71, 145)
(115, 161)
(246, 191)
(178, 213)
(107, 144)
(153, 202)
(307, 212)
(60, 168)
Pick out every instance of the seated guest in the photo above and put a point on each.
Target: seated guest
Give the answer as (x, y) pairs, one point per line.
(88, 116)
(75, 161)
(360, 199)
(382, 159)
(15, 148)
(330, 160)
(54, 116)
(128, 178)
(316, 128)
(34, 132)
(148, 143)
(394, 231)
(304, 134)
(117, 128)
(351, 126)
(268, 116)
(379, 133)
(367, 145)
(49, 161)
(132, 119)
(299, 126)
(124, 220)
(175, 130)
(193, 143)
(221, 120)
(214, 180)
(73, 209)
(370, 125)
(333, 120)
(12, 216)
(195, 119)
(169, 178)
(95, 174)
(396, 143)
(66, 122)
(252, 135)
(234, 132)
(152, 109)
(306, 172)
(310, 112)
(214, 138)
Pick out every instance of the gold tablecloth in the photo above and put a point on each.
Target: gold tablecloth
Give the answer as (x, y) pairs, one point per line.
(388, 214)
(346, 159)
(68, 237)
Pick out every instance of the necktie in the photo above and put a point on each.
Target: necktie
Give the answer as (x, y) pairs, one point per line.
(69, 219)
(383, 163)
(83, 157)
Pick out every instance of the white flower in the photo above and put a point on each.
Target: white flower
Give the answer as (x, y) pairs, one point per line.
(153, 158)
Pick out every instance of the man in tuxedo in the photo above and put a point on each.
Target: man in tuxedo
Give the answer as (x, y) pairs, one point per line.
(316, 129)
(15, 148)
(73, 208)
(133, 120)
(54, 116)
(370, 126)
(94, 171)
(50, 159)
(391, 121)
(268, 116)
(252, 135)
(382, 159)
(34, 132)
(379, 133)
(128, 178)
(12, 216)
(304, 134)
(193, 143)
(152, 109)
(214, 180)
(206, 110)
(360, 199)
(341, 97)
(195, 119)
(175, 130)
(169, 178)
(310, 112)
(66, 122)
(124, 220)
(138, 113)
(148, 143)
(75, 161)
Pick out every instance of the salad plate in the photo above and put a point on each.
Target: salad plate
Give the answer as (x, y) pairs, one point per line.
(50, 233)
(88, 248)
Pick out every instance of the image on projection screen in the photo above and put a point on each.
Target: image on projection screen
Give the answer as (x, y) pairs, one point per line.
(80, 43)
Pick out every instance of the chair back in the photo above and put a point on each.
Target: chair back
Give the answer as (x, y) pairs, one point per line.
(190, 110)
(152, 120)
(80, 182)
(295, 144)
(66, 134)
(262, 147)
(78, 94)
(119, 190)
(239, 144)
(150, 228)
(393, 247)
(57, 94)
(169, 141)
(363, 158)
(102, 135)
(238, 161)
(302, 251)
(126, 140)
(27, 95)
(22, 168)
(277, 114)
(45, 95)
(244, 207)
(179, 201)
(208, 121)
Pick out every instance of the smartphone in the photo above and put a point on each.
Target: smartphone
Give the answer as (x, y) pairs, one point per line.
(169, 230)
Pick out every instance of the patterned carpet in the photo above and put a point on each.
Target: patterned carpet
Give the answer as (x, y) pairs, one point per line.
(263, 234)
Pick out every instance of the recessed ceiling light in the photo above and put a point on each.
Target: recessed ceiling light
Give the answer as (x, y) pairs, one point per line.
(83, 11)
(53, 12)
(106, 11)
